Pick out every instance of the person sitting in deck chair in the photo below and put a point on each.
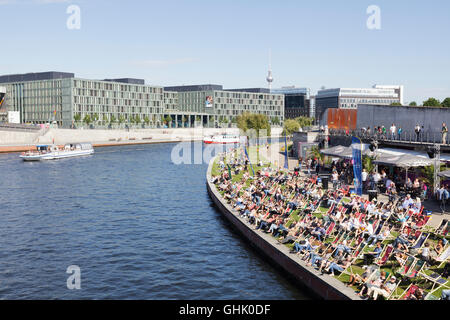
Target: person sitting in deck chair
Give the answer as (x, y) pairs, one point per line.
(385, 289)
(369, 257)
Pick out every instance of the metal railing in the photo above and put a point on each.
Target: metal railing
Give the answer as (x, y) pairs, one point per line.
(431, 137)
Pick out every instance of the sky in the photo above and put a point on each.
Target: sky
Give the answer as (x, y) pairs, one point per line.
(313, 44)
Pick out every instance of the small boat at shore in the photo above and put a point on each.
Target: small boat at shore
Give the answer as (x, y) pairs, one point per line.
(222, 139)
(53, 152)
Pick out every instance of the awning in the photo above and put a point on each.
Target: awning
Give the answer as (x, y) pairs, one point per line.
(338, 151)
(445, 174)
(404, 161)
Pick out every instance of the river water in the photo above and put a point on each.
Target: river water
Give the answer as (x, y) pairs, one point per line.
(136, 225)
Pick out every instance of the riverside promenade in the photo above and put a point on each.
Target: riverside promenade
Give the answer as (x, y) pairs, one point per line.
(320, 286)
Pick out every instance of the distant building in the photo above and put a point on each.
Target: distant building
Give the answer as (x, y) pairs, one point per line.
(296, 101)
(59, 97)
(223, 106)
(350, 98)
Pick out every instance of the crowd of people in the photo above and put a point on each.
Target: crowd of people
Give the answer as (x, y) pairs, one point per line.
(352, 231)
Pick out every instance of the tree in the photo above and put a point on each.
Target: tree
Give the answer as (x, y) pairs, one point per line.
(147, 120)
(432, 102)
(276, 121)
(396, 104)
(413, 104)
(95, 117)
(77, 117)
(121, 119)
(446, 103)
(87, 119)
(137, 119)
(290, 126)
(305, 121)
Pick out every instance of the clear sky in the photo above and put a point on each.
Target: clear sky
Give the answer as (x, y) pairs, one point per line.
(313, 43)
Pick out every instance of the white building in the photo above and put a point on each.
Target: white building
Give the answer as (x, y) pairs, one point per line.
(350, 98)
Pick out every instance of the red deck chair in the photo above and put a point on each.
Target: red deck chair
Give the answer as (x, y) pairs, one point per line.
(386, 255)
(330, 228)
(412, 289)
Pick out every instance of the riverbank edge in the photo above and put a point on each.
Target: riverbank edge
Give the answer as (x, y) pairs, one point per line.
(25, 148)
(320, 286)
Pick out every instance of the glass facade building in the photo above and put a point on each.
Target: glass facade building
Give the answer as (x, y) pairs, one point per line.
(61, 97)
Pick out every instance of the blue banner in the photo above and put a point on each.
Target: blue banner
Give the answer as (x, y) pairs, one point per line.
(286, 159)
(357, 164)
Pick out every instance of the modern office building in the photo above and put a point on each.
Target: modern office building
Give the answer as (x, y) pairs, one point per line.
(296, 102)
(64, 99)
(223, 106)
(350, 98)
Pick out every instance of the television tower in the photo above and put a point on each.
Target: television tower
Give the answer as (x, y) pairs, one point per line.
(269, 75)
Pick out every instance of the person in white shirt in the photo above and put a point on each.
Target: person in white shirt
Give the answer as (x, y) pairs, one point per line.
(393, 131)
(364, 177)
(407, 202)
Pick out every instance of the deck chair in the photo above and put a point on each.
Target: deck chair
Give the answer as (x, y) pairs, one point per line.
(409, 263)
(385, 256)
(416, 269)
(410, 291)
(444, 256)
(421, 241)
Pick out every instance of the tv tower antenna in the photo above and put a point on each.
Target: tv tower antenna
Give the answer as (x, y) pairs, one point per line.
(269, 75)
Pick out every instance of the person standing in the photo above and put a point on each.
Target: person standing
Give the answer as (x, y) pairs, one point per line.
(393, 130)
(444, 133)
(399, 132)
(417, 130)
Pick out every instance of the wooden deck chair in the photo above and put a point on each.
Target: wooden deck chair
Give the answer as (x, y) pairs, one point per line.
(444, 255)
(410, 291)
(384, 257)
(390, 297)
(408, 264)
(416, 269)
(421, 241)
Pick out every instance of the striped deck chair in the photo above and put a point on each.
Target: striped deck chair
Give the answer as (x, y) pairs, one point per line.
(414, 271)
(410, 291)
(408, 264)
(384, 257)
(444, 256)
(421, 240)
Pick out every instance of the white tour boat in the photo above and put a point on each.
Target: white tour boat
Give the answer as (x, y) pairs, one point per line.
(222, 139)
(52, 152)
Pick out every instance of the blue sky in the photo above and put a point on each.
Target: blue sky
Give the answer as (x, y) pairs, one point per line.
(313, 43)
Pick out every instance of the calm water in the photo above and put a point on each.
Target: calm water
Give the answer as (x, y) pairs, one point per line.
(138, 226)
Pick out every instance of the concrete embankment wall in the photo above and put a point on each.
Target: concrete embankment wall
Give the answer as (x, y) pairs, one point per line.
(62, 136)
(322, 286)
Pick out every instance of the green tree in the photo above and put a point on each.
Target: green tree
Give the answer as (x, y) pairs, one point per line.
(147, 120)
(413, 104)
(290, 126)
(276, 121)
(432, 102)
(304, 121)
(137, 119)
(87, 119)
(77, 117)
(368, 163)
(446, 103)
(396, 104)
(121, 119)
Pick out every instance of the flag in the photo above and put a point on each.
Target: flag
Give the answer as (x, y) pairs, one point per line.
(246, 154)
(286, 159)
(357, 164)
